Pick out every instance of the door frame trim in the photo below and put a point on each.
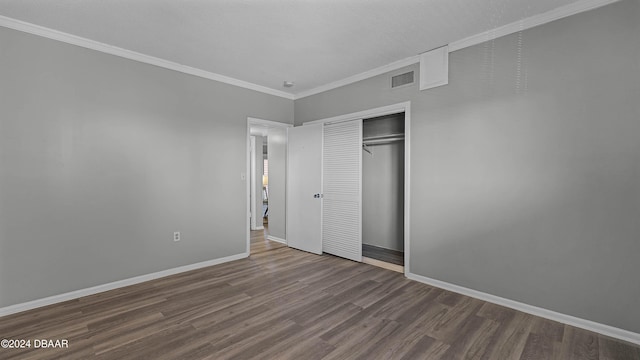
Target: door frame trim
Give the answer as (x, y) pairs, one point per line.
(381, 111)
(253, 209)
(268, 124)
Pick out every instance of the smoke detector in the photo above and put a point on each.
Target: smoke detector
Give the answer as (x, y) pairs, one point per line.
(288, 84)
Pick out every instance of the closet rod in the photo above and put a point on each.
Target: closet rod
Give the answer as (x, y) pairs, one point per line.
(382, 141)
(389, 136)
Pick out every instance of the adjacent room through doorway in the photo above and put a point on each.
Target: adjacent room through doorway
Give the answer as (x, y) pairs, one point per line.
(266, 166)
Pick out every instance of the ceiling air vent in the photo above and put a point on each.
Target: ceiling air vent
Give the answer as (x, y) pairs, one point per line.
(402, 79)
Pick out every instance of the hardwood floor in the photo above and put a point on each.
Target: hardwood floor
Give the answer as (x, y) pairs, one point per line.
(382, 254)
(286, 304)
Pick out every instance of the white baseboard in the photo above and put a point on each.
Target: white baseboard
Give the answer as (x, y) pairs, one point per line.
(589, 325)
(114, 285)
(276, 239)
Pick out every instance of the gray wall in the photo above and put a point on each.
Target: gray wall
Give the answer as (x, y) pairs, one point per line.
(525, 169)
(259, 170)
(277, 140)
(383, 196)
(103, 158)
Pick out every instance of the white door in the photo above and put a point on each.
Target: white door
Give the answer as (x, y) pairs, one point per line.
(342, 190)
(304, 184)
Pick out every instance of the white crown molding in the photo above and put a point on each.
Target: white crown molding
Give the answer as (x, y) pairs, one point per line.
(514, 27)
(114, 285)
(132, 55)
(599, 328)
(362, 76)
(524, 24)
(530, 22)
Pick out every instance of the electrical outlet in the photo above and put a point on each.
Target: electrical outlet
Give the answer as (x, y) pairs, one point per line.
(176, 236)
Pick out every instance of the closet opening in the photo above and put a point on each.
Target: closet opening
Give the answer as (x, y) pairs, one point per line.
(383, 161)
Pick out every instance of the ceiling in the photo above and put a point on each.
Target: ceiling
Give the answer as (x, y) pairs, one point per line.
(265, 42)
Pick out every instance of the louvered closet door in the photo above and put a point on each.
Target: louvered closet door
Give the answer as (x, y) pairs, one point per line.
(342, 190)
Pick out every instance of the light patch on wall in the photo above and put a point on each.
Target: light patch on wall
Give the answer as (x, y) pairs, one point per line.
(434, 68)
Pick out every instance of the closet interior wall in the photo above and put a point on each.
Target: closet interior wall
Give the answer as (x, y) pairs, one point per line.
(383, 184)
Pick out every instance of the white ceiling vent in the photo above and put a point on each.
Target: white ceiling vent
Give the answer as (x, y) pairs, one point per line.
(402, 79)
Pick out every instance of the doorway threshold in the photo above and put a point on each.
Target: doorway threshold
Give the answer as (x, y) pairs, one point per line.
(384, 265)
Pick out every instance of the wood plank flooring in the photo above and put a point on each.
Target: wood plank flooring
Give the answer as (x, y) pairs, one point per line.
(382, 254)
(286, 304)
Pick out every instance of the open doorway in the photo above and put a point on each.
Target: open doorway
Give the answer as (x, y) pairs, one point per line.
(265, 186)
(258, 179)
(266, 166)
(383, 185)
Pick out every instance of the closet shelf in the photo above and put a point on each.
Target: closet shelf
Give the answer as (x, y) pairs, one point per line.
(382, 139)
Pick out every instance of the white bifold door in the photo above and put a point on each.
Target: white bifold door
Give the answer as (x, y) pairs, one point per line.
(304, 187)
(324, 197)
(342, 189)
